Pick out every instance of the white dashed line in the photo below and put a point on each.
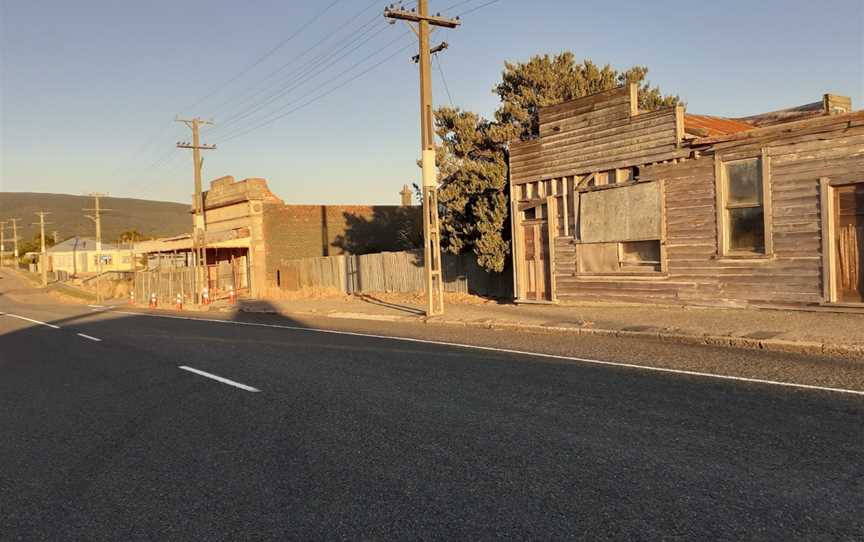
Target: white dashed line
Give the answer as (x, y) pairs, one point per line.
(89, 337)
(52, 326)
(517, 352)
(220, 379)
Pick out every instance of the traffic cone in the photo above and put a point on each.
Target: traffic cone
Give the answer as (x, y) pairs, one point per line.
(179, 303)
(153, 302)
(132, 297)
(205, 297)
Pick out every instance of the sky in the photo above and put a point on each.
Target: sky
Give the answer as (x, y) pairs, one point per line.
(320, 97)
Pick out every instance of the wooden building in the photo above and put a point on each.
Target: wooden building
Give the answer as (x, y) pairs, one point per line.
(249, 232)
(615, 204)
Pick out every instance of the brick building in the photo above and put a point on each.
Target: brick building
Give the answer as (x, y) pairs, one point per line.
(249, 231)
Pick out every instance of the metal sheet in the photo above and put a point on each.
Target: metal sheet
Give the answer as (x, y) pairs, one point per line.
(624, 213)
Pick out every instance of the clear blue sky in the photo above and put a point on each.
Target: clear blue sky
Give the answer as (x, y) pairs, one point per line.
(90, 87)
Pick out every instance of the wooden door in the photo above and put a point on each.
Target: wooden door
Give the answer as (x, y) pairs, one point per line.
(849, 239)
(535, 238)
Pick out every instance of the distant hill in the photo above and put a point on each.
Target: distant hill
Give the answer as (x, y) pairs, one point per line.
(152, 218)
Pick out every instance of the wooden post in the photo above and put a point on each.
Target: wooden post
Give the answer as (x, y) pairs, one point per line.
(829, 280)
(552, 225)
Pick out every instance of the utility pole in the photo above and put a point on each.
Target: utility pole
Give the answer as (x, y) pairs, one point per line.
(43, 259)
(199, 244)
(2, 243)
(431, 227)
(14, 222)
(96, 217)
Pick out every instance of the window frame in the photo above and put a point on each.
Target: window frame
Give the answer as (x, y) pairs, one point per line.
(721, 185)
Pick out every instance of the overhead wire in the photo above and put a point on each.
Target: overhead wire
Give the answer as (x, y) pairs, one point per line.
(266, 55)
(444, 80)
(313, 69)
(294, 59)
(317, 98)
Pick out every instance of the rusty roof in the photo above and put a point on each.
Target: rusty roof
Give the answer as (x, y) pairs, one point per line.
(705, 126)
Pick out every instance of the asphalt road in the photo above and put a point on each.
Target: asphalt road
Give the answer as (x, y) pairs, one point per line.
(356, 437)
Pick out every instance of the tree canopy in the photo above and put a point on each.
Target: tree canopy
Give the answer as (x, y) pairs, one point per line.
(131, 236)
(472, 156)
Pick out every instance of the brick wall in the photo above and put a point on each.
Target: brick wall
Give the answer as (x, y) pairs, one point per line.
(303, 231)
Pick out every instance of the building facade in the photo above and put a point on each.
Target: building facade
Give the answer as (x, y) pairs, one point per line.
(615, 204)
(249, 231)
(79, 256)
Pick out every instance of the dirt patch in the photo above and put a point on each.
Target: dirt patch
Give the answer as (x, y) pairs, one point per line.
(419, 298)
(275, 294)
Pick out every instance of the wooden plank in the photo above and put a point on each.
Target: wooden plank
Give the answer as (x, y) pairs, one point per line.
(552, 231)
(767, 197)
(829, 269)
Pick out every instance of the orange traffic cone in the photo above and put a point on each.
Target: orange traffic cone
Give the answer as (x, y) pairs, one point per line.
(153, 302)
(179, 303)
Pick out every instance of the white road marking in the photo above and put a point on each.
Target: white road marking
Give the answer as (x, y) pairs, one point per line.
(511, 351)
(29, 320)
(96, 306)
(89, 337)
(220, 379)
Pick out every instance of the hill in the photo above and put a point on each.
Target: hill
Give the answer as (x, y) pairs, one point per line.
(152, 218)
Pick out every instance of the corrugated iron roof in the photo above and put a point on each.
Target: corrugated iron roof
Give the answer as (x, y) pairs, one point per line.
(705, 126)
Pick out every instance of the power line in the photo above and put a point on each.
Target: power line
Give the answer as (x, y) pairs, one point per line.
(320, 86)
(303, 78)
(306, 51)
(266, 55)
(481, 6)
(457, 4)
(312, 69)
(444, 80)
(317, 98)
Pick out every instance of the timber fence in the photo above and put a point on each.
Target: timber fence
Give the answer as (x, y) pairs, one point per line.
(166, 284)
(390, 272)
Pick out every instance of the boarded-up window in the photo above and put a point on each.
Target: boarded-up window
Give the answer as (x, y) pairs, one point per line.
(598, 258)
(624, 213)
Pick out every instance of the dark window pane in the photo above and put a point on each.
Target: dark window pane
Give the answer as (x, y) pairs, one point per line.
(747, 229)
(745, 181)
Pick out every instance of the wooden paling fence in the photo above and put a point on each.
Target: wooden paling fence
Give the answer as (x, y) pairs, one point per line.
(166, 284)
(390, 272)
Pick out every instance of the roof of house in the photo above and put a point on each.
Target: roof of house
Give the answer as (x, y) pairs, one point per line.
(79, 244)
(706, 126)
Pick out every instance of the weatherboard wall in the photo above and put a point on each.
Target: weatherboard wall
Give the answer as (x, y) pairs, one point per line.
(798, 155)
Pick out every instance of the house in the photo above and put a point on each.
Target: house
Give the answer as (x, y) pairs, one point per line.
(249, 231)
(79, 256)
(611, 203)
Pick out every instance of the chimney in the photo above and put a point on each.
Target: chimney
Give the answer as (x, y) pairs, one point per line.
(406, 194)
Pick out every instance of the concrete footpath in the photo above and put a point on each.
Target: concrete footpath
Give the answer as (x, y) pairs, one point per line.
(810, 332)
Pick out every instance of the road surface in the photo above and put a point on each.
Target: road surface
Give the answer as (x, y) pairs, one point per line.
(120, 426)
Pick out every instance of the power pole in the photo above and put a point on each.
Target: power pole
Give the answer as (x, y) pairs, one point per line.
(14, 222)
(44, 257)
(2, 243)
(199, 244)
(431, 227)
(96, 217)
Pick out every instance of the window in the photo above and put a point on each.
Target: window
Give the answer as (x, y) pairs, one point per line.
(639, 256)
(743, 217)
(622, 257)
